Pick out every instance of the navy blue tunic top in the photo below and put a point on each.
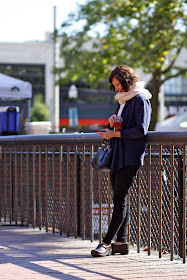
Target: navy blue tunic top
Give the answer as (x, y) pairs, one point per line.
(130, 148)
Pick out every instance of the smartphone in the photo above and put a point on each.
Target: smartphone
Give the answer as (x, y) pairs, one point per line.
(99, 130)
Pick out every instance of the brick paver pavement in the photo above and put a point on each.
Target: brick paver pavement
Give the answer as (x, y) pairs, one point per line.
(27, 253)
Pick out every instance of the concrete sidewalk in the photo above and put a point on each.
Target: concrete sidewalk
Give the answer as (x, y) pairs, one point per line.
(34, 254)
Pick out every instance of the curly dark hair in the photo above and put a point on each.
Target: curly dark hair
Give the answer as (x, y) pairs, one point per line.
(126, 76)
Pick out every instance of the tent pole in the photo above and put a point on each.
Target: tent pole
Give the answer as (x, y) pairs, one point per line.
(29, 110)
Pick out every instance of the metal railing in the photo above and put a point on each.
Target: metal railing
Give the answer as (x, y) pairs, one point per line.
(47, 182)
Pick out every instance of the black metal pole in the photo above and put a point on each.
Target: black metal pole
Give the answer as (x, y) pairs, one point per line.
(180, 170)
(78, 195)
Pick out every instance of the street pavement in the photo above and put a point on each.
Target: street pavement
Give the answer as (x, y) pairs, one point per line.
(27, 253)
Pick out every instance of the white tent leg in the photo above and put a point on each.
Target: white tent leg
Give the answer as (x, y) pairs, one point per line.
(29, 110)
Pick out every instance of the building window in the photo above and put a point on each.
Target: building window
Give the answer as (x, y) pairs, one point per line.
(176, 86)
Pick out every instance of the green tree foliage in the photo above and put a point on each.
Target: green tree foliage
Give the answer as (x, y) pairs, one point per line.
(39, 111)
(144, 33)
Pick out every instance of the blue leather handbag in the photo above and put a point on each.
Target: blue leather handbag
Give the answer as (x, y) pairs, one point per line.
(103, 158)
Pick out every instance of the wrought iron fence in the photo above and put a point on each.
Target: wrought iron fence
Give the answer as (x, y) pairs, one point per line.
(47, 182)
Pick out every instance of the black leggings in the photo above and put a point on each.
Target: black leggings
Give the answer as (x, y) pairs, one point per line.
(121, 182)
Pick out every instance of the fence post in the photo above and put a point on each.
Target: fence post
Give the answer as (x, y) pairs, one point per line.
(184, 202)
(78, 195)
(180, 171)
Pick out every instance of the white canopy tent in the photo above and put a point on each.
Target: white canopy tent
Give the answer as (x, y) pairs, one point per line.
(12, 89)
(176, 123)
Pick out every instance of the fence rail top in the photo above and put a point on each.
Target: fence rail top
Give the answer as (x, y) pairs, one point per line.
(156, 137)
(65, 138)
(152, 138)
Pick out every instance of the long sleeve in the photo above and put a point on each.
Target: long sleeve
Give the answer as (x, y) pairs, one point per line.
(142, 115)
(130, 148)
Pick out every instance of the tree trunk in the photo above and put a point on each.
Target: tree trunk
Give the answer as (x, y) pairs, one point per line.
(156, 82)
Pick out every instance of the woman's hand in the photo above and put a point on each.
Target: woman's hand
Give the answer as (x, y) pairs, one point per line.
(108, 133)
(112, 120)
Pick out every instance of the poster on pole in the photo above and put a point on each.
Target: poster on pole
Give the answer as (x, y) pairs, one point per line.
(73, 117)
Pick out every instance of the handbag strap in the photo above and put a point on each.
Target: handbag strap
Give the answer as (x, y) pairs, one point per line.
(105, 143)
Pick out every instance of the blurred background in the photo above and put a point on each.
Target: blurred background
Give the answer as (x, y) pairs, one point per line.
(66, 50)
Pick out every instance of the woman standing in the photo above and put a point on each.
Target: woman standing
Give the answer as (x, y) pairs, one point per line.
(128, 152)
